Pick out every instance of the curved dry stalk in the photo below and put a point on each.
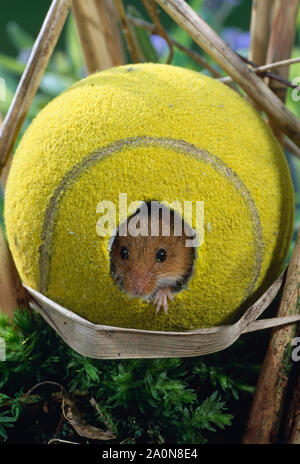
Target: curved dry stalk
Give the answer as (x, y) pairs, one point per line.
(129, 36)
(72, 414)
(227, 59)
(32, 76)
(191, 53)
(153, 13)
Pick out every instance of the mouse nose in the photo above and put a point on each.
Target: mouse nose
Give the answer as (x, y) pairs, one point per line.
(141, 285)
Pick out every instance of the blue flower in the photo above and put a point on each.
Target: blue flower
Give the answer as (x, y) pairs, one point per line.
(159, 44)
(236, 38)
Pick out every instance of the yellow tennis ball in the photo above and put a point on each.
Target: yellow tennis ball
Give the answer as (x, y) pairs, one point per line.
(150, 131)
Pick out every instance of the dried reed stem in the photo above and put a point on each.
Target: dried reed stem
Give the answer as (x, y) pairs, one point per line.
(191, 53)
(4, 173)
(295, 437)
(292, 422)
(112, 33)
(132, 44)
(32, 75)
(259, 30)
(12, 292)
(92, 37)
(280, 47)
(214, 46)
(261, 15)
(266, 410)
(282, 39)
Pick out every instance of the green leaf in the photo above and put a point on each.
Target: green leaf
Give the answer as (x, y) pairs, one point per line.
(4, 419)
(11, 64)
(3, 434)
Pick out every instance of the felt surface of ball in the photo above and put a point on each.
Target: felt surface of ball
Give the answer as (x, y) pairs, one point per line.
(154, 132)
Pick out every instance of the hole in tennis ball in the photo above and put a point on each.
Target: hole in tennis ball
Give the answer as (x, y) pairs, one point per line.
(153, 248)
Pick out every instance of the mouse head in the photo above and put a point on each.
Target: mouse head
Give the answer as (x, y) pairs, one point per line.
(147, 253)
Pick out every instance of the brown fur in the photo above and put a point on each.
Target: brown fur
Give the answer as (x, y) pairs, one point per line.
(141, 275)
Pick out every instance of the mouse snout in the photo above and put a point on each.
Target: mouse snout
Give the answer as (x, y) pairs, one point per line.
(140, 285)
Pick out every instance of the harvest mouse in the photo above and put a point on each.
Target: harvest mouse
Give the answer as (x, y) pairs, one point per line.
(150, 261)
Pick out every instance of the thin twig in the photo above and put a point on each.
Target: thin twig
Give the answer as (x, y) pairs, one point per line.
(191, 53)
(279, 64)
(41, 384)
(278, 79)
(271, 75)
(227, 59)
(152, 10)
(130, 38)
(74, 416)
(32, 76)
(260, 69)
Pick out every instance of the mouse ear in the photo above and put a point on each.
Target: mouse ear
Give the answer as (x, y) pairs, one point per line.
(111, 240)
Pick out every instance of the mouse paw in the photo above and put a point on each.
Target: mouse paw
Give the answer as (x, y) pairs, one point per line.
(161, 299)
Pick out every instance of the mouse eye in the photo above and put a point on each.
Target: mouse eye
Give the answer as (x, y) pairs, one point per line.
(124, 253)
(161, 255)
